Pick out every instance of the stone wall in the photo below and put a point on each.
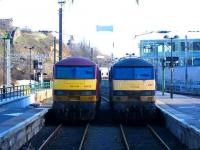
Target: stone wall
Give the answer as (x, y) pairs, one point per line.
(17, 136)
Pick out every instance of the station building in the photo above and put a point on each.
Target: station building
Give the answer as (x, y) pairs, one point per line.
(187, 70)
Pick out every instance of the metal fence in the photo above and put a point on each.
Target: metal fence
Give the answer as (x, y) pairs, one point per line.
(190, 87)
(22, 90)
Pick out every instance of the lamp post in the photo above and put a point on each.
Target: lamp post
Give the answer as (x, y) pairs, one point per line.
(91, 53)
(171, 63)
(186, 61)
(4, 67)
(30, 49)
(155, 62)
(54, 50)
(6, 62)
(54, 46)
(61, 3)
(55, 35)
(163, 70)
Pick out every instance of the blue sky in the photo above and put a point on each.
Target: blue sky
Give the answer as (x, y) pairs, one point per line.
(128, 19)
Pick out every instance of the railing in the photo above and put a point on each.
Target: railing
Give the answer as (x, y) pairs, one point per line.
(22, 90)
(191, 87)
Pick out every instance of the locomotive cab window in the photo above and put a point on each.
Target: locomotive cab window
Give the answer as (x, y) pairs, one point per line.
(133, 73)
(123, 73)
(77, 72)
(143, 73)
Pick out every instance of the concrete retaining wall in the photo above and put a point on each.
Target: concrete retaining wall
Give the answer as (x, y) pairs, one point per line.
(17, 136)
(181, 126)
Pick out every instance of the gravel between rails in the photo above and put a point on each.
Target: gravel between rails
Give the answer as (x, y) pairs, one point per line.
(141, 138)
(67, 138)
(104, 138)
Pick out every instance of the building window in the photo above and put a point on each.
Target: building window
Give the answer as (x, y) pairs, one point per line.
(147, 49)
(183, 46)
(189, 61)
(160, 47)
(196, 62)
(196, 46)
(173, 46)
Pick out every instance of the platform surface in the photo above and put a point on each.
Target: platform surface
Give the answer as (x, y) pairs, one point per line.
(12, 119)
(184, 108)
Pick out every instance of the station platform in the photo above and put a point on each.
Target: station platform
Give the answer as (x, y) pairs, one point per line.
(17, 126)
(182, 117)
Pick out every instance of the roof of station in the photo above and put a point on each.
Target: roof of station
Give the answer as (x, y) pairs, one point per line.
(159, 35)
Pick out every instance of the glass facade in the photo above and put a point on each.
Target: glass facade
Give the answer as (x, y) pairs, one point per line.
(185, 73)
(155, 50)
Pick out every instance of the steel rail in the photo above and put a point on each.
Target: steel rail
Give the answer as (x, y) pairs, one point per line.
(83, 137)
(49, 137)
(104, 95)
(124, 138)
(158, 137)
(106, 99)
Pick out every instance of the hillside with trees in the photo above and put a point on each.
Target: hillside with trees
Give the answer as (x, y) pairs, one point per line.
(42, 41)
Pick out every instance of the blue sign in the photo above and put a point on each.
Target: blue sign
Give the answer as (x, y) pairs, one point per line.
(104, 28)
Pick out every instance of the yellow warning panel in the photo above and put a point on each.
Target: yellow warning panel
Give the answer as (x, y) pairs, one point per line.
(89, 84)
(134, 85)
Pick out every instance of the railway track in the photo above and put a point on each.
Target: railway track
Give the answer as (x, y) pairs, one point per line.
(124, 138)
(84, 137)
(105, 94)
(158, 138)
(64, 137)
(120, 140)
(50, 137)
(148, 138)
(113, 136)
(104, 137)
(105, 99)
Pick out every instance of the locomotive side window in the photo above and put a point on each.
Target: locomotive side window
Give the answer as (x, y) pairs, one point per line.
(74, 72)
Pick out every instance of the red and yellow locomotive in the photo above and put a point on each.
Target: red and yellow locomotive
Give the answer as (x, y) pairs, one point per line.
(76, 89)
